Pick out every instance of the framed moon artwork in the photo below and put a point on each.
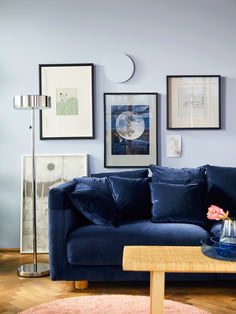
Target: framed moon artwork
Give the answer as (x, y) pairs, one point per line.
(130, 130)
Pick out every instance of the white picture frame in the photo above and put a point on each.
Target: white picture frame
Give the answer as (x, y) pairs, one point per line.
(51, 170)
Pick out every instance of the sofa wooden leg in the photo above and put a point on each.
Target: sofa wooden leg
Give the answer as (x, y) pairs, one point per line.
(83, 284)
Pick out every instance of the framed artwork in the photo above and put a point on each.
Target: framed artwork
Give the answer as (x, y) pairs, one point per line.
(193, 102)
(72, 101)
(130, 129)
(51, 170)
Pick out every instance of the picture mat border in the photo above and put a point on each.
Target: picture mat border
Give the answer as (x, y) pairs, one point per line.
(157, 126)
(93, 100)
(168, 77)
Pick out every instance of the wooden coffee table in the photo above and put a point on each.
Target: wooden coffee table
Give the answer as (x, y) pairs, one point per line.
(159, 260)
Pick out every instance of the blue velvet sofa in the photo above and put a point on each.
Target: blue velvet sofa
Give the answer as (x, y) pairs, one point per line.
(82, 250)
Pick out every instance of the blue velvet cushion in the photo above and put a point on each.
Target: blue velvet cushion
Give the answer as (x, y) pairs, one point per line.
(132, 198)
(178, 203)
(222, 187)
(93, 199)
(98, 183)
(132, 174)
(174, 175)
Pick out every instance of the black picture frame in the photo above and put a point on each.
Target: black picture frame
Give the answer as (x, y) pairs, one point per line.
(193, 102)
(71, 87)
(137, 147)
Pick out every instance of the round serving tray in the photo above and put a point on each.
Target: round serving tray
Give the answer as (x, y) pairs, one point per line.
(211, 247)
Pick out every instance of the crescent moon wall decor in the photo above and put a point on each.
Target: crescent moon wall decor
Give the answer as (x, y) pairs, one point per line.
(119, 68)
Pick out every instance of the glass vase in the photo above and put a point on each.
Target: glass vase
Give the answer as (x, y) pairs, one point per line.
(227, 241)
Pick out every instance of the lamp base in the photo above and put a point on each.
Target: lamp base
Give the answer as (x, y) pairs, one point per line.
(33, 270)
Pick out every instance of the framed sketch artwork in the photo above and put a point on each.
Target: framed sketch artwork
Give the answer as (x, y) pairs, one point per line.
(51, 170)
(193, 102)
(130, 129)
(173, 145)
(71, 89)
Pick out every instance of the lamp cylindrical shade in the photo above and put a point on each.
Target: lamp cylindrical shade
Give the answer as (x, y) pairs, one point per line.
(32, 102)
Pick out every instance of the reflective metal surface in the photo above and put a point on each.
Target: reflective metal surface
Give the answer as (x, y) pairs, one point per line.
(33, 270)
(32, 102)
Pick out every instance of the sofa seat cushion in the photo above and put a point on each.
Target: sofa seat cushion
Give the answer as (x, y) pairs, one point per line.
(103, 245)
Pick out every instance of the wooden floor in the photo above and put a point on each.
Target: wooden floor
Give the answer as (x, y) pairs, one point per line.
(17, 294)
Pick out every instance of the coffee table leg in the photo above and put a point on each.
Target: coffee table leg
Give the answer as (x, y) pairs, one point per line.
(157, 292)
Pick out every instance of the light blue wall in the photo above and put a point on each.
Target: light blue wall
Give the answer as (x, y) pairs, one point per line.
(162, 36)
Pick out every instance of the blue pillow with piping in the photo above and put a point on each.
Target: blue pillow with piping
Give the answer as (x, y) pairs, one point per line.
(178, 203)
(178, 176)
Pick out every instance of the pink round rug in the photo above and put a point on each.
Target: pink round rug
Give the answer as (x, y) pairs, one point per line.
(107, 304)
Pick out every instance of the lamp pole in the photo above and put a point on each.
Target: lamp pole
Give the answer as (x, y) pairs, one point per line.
(34, 190)
(33, 102)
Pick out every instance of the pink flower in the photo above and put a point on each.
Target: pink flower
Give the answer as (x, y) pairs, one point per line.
(216, 213)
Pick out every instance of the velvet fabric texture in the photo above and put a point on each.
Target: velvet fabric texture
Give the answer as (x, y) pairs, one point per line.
(93, 199)
(215, 228)
(112, 200)
(132, 198)
(222, 188)
(132, 174)
(177, 176)
(103, 245)
(97, 206)
(178, 203)
(67, 228)
(97, 183)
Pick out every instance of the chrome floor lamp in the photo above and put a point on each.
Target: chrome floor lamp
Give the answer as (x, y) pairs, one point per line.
(33, 102)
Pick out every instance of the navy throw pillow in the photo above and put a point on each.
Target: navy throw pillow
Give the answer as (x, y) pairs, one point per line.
(92, 198)
(132, 174)
(177, 176)
(178, 203)
(132, 198)
(98, 183)
(221, 183)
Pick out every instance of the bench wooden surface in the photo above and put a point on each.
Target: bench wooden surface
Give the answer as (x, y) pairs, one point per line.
(159, 260)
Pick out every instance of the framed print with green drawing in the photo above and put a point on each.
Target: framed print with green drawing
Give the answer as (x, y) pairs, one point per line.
(130, 130)
(71, 89)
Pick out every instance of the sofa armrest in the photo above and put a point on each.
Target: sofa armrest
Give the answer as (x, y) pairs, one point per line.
(63, 218)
